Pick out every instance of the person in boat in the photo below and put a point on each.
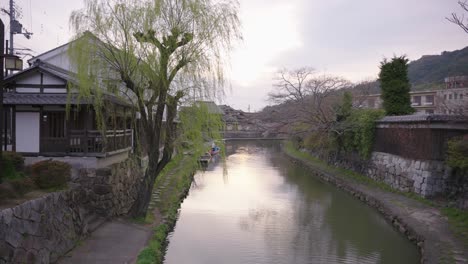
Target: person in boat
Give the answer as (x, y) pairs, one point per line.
(214, 150)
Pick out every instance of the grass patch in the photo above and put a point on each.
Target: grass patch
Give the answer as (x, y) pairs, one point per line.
(179, 171)
(459, 221)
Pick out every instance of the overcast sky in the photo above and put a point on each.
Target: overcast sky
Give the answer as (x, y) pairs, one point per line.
(343, 37)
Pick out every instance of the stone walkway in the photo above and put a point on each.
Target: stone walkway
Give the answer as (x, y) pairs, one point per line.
(117, 241)
(421, 223)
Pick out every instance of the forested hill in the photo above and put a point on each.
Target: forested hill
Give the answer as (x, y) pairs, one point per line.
(434, 68)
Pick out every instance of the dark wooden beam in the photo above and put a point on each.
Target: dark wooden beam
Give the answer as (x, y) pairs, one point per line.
(41, 86)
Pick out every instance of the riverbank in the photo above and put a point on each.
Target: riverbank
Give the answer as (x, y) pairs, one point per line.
(122, 240)
(170, 190)
(421, 222)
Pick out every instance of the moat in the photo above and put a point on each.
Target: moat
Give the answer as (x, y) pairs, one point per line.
(258, 206)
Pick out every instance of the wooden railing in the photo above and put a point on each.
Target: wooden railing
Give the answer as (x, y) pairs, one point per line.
(89, 141)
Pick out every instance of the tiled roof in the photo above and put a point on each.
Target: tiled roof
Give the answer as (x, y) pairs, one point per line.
(423, 118)
(53, 99)
(212, 107)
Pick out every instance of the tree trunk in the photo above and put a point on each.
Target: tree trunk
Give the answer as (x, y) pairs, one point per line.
(140, 206)
(153, 136)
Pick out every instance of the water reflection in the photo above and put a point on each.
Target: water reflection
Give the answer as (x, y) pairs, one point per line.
(258, 207)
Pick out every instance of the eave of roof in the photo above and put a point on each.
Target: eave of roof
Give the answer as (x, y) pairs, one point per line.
(56, 99)
(46, 68)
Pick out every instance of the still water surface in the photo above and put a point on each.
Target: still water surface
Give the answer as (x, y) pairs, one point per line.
(259, 207)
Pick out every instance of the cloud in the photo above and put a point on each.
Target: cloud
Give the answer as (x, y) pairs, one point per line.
(343, 37)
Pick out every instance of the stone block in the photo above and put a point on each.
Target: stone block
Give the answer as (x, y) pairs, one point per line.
(417, 165)
(37, 205)
(43, 256)
(424, 165)
(102, 189)
(104, 172)
(34, 216)
(7, 216)
(6, 251)
(418, 181)
(20, 256)
(426, 174)
(13, 238)
(398, 170)
(22, 211)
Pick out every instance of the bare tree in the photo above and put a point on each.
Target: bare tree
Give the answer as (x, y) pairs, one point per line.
(460, 19)
(454, 106)
(291, 84)
(362, 90)
(310, 98)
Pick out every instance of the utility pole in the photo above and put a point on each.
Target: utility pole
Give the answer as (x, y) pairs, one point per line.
(15, 27)
(2, 114)
(12, 19)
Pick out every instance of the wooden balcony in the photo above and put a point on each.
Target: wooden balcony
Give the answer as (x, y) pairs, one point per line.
(92, 143)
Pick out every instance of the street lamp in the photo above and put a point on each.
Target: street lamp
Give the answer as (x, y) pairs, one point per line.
(13, 62)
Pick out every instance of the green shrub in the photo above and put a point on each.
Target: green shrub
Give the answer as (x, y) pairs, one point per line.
(13, 165)
(360, 133)
(457, 153)
(395, 86)
(15, 159)
(22, 186)
(7, 191)
(50, 174)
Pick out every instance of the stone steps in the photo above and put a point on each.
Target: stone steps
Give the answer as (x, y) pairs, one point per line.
(157, 191)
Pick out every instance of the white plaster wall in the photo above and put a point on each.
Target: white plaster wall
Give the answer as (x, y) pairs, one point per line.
(49, 79)
(27, 132)
(28, 90)
(60, 60)
(31, 79)
(55, 90)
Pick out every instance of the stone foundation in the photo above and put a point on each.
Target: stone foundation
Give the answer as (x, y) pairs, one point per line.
(427, 178)
(42, 230)
(110, 191)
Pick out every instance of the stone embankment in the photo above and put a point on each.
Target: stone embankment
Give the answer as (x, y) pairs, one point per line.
(42, 230)
(421, 223)
(423, 177)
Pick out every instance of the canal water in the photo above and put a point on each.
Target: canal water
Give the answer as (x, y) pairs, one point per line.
(259, 207)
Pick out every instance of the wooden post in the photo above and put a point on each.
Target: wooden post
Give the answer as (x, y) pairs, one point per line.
(67, 135)
(86, 141)
(2, 114)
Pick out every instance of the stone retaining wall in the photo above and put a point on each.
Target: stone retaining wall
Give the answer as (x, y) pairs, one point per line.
(110, 191)
(409, 155)
(42, 230)
(425, 177)
(428, 178)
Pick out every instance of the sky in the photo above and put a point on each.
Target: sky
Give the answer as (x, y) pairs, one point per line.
(347, 38)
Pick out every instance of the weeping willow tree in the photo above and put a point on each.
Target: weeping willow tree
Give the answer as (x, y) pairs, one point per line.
(154, 54)
(198, 128)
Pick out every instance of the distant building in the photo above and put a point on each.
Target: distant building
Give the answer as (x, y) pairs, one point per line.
(454, 98)
(451, 99)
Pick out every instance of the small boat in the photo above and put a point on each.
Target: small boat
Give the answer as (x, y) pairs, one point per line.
(209, 156)
(205, 159)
